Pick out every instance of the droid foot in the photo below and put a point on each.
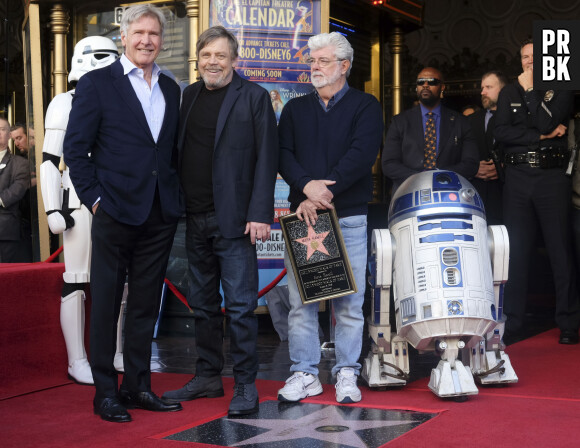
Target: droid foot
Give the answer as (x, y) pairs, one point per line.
(499, 369)
(452, 382)
(381, 370)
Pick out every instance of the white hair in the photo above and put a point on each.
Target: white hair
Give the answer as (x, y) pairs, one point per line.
(134, 13)
(342, 48)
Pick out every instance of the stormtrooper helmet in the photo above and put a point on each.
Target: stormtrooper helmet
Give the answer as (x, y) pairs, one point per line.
(91, 53)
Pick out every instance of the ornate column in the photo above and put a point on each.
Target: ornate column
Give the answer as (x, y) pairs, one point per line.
(396, 46)
(59, 25)
(192, 8)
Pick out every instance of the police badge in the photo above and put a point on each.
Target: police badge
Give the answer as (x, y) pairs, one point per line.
(548, 95)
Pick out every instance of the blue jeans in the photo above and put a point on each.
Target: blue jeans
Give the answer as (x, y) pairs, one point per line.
(213, 258)
(303, 339)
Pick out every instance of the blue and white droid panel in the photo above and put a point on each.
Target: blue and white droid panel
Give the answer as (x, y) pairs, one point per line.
(443, 283)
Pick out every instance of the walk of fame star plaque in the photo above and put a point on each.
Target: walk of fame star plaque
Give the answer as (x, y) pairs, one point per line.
(318, 257)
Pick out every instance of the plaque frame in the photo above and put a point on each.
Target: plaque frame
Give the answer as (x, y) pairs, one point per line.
(335, 262)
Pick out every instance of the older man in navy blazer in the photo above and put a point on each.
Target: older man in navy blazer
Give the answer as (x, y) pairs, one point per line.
(455, 147)
(121, 149)
(228, 152)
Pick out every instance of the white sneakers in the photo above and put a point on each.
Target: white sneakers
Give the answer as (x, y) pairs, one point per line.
(302, 385)
(346, 388)
(299, 386)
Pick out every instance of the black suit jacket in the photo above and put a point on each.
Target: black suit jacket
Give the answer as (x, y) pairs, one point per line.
(14, 181)
(490, 190)
(483, 137)
(404, 148)
(110, 150)
(245, 158)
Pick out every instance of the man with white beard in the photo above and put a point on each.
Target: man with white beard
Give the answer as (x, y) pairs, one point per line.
(329, 141)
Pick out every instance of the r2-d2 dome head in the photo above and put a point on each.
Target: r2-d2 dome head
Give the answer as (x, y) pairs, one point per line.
(91, 53)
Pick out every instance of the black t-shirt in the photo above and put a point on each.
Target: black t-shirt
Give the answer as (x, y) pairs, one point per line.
(196, 167)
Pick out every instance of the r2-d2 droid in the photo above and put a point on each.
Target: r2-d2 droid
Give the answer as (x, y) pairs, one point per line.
(447, 269)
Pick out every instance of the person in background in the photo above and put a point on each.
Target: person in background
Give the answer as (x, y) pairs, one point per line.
(531, 130)
(574, 142)
(444, 141)
(18, 134)
(468, 110)
(14, 182)
(487, 180)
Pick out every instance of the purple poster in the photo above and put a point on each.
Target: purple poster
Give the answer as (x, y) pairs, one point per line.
(272, 35)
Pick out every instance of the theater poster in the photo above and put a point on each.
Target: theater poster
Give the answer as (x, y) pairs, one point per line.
(273, 36)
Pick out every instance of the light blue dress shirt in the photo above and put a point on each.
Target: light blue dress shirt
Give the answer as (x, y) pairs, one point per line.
(335, 98)
(151, 98)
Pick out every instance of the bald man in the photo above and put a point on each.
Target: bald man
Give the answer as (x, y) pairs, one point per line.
(429, 136)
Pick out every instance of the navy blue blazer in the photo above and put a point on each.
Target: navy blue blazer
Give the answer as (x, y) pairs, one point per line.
(404, 148)
(245, 157)
(111, 153)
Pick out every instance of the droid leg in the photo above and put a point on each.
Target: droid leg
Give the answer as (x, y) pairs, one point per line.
(451, 378)
(387, 363)
(489, 363)
(72, 321)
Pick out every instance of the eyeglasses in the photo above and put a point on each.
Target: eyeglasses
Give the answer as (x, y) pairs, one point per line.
(430, 81)
(322, 62)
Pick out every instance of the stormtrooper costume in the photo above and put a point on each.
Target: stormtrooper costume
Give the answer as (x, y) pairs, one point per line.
(68, 216)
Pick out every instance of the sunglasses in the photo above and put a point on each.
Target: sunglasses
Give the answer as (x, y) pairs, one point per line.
(430, 81)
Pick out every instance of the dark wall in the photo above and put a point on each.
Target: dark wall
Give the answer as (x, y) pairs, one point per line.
(11, 63)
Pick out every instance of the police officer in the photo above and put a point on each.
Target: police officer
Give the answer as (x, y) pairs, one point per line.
(530, 130)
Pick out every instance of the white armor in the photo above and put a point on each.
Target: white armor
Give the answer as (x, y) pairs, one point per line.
(66, 214)
(447, 270)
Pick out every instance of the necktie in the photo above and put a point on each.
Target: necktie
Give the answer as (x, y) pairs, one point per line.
(430, 143)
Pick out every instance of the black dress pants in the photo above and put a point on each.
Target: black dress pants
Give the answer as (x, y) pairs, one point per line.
(139, 253)
(539, 199)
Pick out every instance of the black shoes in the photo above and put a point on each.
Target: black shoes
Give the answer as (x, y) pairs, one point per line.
(245, 400)
(568, 337)
(198, 387)
(146, 400)
(111, 410)
(115, 409)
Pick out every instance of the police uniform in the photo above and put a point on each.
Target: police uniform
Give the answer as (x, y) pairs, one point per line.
(537, 195)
